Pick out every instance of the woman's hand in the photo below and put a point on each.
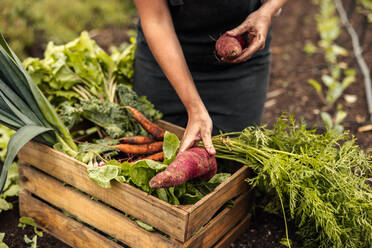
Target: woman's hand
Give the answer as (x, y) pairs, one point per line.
(257, 26)
(199, 127)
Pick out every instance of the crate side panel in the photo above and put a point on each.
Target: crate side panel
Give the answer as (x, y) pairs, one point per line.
(234, 233)
(203, 210)
(155, 212)
(60, 226)
(92, 212)
(222, 223)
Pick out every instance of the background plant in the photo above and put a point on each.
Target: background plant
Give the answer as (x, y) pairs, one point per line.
(338, 76)
(30, 23)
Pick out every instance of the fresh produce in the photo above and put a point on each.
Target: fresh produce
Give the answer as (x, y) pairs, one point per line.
(150, 127)
(24, 108)
(83, 82)
(140, 172)
(321, 180)
(140, 149)
(136, 140)
(229, 47)
(156, 157)
(193, 163)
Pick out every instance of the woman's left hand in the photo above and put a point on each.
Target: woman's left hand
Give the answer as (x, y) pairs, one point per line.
(257, 26)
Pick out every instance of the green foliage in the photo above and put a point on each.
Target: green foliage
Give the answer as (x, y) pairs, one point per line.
(310, 48)
(334, 123)
(2, 244)
(339, 77)
(320, 179)
(365, 8)
(140, 173)
(82, 80)
(11, 188)
(32, 243)
(5, 135)
(28, 221)
(31, 23)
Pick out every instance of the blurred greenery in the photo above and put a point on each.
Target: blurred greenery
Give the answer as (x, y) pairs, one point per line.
(31, 23)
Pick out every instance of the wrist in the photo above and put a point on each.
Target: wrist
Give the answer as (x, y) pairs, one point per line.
(196, 108)
(270, 8)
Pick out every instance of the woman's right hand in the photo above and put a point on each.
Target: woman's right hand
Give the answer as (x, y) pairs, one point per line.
(199, 127)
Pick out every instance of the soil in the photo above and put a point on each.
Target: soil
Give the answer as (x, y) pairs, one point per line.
(288, 92)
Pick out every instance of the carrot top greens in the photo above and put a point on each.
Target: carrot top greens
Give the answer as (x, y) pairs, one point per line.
(320, 180)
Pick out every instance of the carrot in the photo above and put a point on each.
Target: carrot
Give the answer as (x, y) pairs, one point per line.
(193, 163)
(136, 140)
(230, 47)
(140, 149)
(156, 157)
(150, 127)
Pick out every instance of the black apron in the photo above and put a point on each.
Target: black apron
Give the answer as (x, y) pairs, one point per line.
(234, 94)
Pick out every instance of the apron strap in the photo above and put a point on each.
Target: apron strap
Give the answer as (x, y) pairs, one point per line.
(176, 2)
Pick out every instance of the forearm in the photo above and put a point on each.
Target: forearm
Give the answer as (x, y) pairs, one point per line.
(164, 45)
(271, 7)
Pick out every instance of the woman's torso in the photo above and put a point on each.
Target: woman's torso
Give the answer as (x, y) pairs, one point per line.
(199, 23)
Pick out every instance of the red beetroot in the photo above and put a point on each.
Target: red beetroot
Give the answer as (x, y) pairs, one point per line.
(193, 163)
(230, 47)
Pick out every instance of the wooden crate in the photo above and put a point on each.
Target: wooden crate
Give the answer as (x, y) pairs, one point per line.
(51, 180)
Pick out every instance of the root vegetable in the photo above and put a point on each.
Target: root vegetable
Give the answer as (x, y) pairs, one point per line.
(193, 163)
(136, 140)
(229, 47)
(156, 157)
(140, 149)
(150, 127)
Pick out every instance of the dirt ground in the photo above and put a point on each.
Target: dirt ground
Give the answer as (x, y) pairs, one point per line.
(289, 92)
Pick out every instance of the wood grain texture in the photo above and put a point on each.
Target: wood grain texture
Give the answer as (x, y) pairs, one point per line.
(234, 233)
(155, 212)
(60, 226)
(204, 209)
(222, 223)
(177, 130)
(92, 212)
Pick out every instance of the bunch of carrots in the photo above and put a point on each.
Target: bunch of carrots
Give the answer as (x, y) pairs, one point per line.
(143, 145)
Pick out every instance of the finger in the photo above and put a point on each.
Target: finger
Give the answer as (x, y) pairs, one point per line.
(241, 29)
(207, 140)
(257, 44)
(188, 141)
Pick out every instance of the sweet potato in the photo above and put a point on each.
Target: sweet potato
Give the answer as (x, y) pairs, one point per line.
(229, 47)
(193, 163)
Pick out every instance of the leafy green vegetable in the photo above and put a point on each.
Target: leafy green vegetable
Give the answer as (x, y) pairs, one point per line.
(116, 121)
(170, 147)
(2, 244)
(130, 98)
(320, 179)
(140, 173)
(103, 175)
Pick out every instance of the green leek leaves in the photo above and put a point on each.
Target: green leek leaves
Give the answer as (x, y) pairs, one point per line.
(25, 109)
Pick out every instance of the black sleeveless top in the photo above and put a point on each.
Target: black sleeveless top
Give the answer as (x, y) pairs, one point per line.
(234, 94)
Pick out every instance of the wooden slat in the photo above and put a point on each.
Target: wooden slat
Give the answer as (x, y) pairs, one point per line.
(89, 211)
(60, 226)
(204, 209)
(124, 197)
(177, 130)
(234, 233)
(222, 223)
